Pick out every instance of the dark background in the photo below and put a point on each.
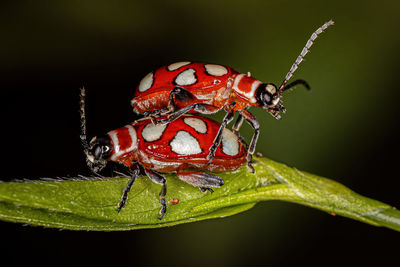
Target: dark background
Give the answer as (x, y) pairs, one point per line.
(345, 129)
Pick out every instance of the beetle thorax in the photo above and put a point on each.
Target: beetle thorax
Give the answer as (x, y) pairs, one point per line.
(245, 87)
(124, 141)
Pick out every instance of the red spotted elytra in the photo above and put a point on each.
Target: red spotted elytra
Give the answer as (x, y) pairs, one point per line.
(207, 88)
(181, 146)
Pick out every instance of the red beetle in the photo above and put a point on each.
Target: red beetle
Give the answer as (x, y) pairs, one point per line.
(207, 88)
(181, 146)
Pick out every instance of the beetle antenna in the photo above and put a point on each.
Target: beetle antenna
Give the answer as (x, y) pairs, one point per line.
(83, 136)
(303, 53)
(296, 82)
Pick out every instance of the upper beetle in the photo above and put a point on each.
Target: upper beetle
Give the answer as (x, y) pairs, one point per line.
(207, 88)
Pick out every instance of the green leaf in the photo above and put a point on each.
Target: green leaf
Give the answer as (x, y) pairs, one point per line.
(91, 204)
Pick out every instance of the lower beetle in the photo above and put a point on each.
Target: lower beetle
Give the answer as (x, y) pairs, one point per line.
(181, 147)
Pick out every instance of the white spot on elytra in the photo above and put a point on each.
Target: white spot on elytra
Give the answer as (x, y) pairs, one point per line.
(146, 82)
(152, 132)
(186, 77)
(230, 143)
(185, 144)
(216, 70)
(197, 124)
(177, 65)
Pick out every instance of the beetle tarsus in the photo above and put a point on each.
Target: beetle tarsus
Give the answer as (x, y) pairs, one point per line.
(204, 189)
(250, 167)
(163, 209)
(159, 179)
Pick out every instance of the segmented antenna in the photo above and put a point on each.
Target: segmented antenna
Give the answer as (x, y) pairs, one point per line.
(304, 52)
(83, 121)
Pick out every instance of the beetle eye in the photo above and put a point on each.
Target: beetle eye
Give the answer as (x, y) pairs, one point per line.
(97, 152)
(267, 99)
(265, 95)
(100, 148)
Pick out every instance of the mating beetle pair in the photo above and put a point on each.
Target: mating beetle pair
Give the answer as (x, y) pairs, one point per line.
(183, 143)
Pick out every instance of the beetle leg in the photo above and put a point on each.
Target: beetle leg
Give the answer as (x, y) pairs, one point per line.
(135, 173)
(197, 107)
(180, 94)
(256, 126)
(236, 127)
(204, 189)
(159, 179)
(152, 115)
(227, 119)
(178, 113)
(202, 180)
(275, 113)
(155, 112)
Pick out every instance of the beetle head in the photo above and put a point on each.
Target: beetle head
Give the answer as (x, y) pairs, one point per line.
(269, 97)
(98, 152)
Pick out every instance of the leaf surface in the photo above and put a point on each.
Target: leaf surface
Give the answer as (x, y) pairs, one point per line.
(91, 204)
